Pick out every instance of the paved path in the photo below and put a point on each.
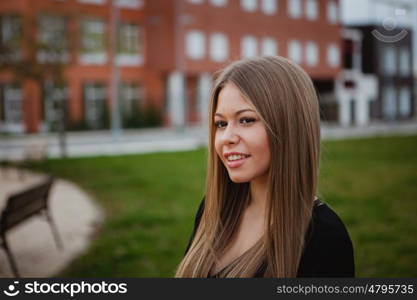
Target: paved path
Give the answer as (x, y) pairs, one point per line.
(32, 243)
(93, 143)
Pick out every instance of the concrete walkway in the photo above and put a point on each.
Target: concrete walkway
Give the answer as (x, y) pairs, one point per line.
(32, 242)
(93, 143)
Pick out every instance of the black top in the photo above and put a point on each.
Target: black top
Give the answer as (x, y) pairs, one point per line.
(328, 250)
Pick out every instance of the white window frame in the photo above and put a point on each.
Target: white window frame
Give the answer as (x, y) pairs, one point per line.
(269, 47)
(294, 8)
(219, 47)
(13, 108)
(312, 54)
(389, 102)
(195, 44)
(93, 26)
(333, 55)
(389, 61)
(312, 10)
(295, 51)
(53, 32)
(132, 4)
(10, 26)
(11, 29)
(404, 107)
(269, 7)
(93, 94)
(249, 5)
(405, 61)
(53, 95)
(332, 12)
(131, 96)
(219, 3)
(132, 36)
(96, 2)
(249, 46)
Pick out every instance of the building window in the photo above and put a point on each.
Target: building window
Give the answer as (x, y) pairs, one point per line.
(312, 54)
(405, 102)
(248, 5)
(390, 61)
(294, 8)
(405, 62)
(129, 45)
(10, 38)
(11, 108)
(389, 104)
(333, 55)
(218, 2)
(269, 7)
(130, 3)
(55, 97)
(295, 51)
(269, 47)
(312, 9)
(249, 46)
(128, 39)
(196, 1)
(131, 94)
(93, 1)
(219, 47)
(93, 42)
(195, 44)
(96, 115)
(332, 12)
(52, 36)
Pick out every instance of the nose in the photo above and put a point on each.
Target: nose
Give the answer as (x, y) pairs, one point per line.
(230, 135)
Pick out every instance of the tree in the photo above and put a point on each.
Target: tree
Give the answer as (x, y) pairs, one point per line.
(37, 50)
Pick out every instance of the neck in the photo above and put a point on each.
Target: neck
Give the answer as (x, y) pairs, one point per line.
(258, 192)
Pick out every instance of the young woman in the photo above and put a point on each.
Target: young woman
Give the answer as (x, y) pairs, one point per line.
(260, 216)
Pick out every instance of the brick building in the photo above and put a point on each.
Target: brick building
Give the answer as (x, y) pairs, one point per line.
(166, 53)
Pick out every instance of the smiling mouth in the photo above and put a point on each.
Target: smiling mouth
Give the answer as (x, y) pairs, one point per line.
(236, 162)
(236, 157)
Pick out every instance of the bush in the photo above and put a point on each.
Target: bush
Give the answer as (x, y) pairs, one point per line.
(149, 116)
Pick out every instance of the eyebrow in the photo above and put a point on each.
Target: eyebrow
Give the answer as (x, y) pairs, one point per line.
(236, 113)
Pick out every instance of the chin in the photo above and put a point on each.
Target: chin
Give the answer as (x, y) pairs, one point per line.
(239, 179)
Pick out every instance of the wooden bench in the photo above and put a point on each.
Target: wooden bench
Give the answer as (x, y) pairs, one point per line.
(20, 207)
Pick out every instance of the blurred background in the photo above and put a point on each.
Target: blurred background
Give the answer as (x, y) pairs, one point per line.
(113, 96)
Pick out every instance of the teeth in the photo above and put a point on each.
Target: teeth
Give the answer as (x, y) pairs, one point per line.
(235, 157)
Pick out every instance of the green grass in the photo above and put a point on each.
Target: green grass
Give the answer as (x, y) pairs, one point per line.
(150, 201)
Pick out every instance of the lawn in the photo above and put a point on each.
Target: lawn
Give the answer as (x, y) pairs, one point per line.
(150, 201)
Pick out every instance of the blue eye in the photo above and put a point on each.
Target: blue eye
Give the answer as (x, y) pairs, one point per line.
(247, 120)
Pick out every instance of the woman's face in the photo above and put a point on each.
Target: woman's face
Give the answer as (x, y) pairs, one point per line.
(241, 140)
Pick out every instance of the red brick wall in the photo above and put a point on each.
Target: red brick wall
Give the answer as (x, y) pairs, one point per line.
(165, 25)
(233, 21)
(76, 74)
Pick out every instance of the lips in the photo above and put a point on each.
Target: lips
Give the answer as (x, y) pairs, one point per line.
(237, 162)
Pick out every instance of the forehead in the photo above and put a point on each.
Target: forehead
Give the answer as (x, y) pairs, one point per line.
(231, 99)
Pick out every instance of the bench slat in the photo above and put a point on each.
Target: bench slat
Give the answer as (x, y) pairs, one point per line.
(22, 205)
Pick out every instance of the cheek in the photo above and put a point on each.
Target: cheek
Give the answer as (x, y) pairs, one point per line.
(261, 147)
(259, 140)
(217, 145)
(265, 146)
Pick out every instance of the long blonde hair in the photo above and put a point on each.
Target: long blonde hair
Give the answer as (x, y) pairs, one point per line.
(286, 101)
